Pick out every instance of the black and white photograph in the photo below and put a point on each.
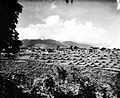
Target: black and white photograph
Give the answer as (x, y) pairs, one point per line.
(59, 48)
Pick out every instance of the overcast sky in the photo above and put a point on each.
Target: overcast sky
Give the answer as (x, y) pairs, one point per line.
(95, 22)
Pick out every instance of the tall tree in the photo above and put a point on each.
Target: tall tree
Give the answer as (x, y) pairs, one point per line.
(9, 12)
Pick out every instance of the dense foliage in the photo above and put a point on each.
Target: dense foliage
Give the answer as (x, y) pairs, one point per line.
(9, 41)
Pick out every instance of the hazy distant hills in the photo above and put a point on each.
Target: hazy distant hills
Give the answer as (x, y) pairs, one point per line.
(80, 45)
(49, 43)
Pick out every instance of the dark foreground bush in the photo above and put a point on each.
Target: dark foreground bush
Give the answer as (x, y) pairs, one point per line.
(52, 81)
(8, 89)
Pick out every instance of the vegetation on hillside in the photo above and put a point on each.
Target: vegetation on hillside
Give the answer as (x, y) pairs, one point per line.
(79, 73)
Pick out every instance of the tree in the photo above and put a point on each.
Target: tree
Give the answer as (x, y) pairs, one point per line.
(76, 47)
(71, 47)
(9, 40)
(58, 47)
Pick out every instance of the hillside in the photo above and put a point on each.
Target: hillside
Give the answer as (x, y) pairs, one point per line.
(49, 43)
(80, 45)
(83, 72)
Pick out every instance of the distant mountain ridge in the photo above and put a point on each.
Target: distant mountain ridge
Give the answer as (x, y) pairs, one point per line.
(50, 43)
(80, 45)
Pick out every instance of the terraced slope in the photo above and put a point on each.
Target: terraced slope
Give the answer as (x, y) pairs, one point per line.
(67, 68)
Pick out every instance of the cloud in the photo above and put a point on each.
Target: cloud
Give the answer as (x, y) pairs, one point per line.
(118, 4)
(62, 30)
(53, 6)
